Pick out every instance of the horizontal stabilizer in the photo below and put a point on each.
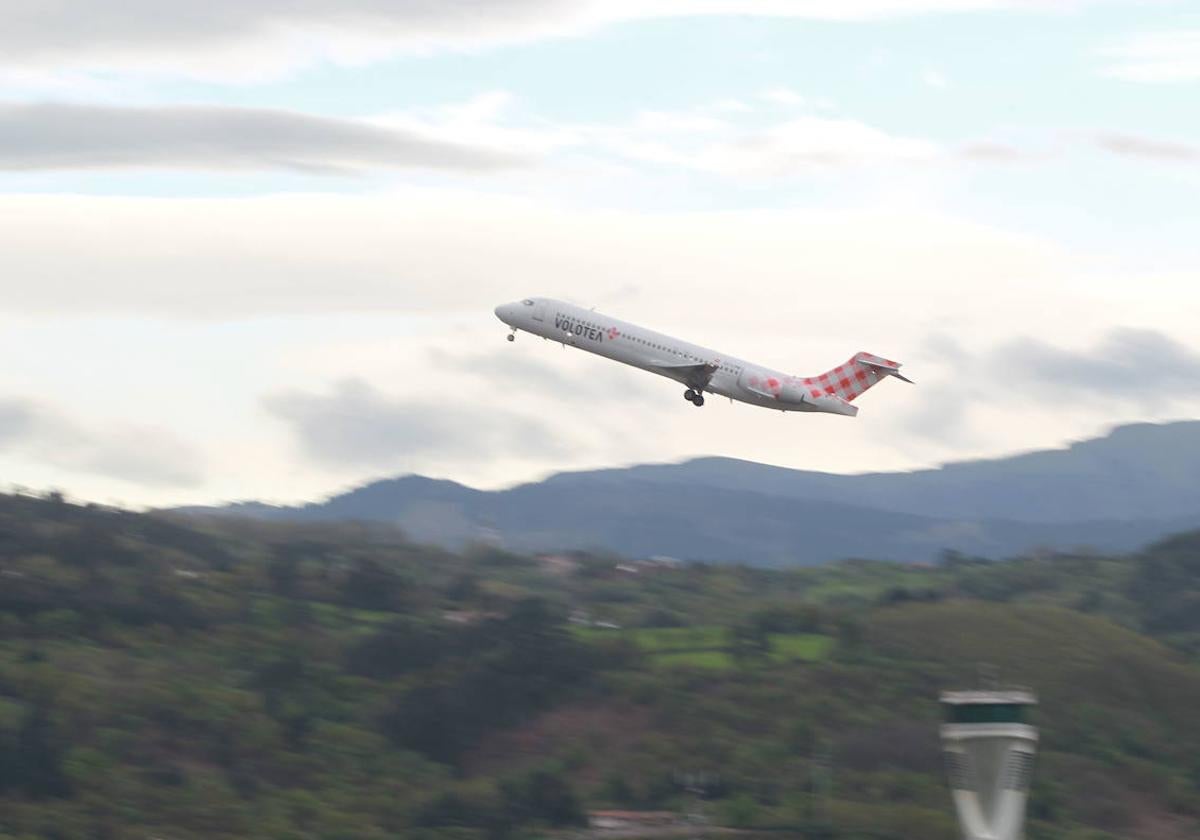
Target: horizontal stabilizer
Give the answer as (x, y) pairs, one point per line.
(833, 404)
(886, 368)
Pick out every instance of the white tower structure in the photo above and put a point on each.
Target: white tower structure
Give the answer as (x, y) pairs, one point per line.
(990, 751)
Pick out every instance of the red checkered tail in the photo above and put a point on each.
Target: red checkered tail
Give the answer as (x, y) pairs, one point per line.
(856, 376)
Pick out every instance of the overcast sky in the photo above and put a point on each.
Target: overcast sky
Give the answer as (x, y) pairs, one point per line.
(251, 250)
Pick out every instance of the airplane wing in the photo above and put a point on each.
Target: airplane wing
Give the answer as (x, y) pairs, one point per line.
(695, 376)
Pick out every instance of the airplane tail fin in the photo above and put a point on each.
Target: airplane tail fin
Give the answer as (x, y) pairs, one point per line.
(855, 376)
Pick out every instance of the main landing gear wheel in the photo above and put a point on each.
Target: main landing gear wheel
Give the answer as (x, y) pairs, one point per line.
(694, 397)
(689, 395)
(698, 401)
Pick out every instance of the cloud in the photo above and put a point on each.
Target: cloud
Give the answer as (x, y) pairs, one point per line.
(16, 420)
(481, 134)
(731, 106)
(990, 151)
(62, 136)
(1125, 364)
(418, 251)
(709, 139)
(1156, 57)
(356, 424)
(143, 456)
(934, 79)
(807, 144)
(942, 416)
(487, 121)
(1133, 145)
(812, 144)
(1128, 372)
(782, 96)
(509, 370)
(235, 40)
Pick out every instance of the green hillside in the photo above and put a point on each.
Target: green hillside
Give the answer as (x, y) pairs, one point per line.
(160, 678)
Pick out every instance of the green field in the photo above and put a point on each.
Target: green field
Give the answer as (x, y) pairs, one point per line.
(799, 647)
(709, 646)
(717, 660)
(658, 640)
(662, 639)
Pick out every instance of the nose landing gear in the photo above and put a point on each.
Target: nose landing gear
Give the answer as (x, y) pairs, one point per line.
(512, 336)
(694, 397)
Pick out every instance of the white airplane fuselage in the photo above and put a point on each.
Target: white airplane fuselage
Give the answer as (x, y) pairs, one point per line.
(701, 369)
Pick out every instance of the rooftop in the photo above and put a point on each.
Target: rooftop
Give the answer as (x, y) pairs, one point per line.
(990, 697)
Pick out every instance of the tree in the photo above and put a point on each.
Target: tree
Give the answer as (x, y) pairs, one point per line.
(429, 719)
(283, 572)
(372, 586)
(542, 795)
(749, 642)
(401, 647)
(37, 766)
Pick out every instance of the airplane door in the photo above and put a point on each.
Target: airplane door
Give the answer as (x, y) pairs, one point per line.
(539, 311)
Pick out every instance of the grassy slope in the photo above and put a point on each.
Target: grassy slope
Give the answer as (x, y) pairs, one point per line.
(1117, 723)
(708, 646)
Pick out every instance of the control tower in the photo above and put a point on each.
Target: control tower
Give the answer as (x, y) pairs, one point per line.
(989, 751)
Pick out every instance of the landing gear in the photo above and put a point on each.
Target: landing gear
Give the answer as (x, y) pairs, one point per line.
(512, 336)
(699, 401)
(694, 397)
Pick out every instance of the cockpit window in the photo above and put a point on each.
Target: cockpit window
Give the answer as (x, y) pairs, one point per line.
(527, 302)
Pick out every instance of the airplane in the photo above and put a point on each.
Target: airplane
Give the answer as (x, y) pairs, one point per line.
(698, 368)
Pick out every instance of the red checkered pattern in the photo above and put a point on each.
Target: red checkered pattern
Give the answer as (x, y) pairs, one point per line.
(850, 379)
(767, 383)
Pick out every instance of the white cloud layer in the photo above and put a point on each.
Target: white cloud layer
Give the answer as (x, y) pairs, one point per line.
(726, 138)
(434, 250)
(1134, 145)
(140, 456)
(1169, 56)
(491, 132)
(1143, 366)
(811, 143)
(72, 136)
(356, 425)
(478, 135)
(237, 40)
(1128, 373)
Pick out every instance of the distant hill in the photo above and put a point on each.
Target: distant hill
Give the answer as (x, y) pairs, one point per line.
(1113, 493)
(1140, 471)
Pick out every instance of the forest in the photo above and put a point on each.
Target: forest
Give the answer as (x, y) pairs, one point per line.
(173, 677)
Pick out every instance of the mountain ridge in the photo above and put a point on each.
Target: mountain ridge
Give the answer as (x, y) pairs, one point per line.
(1131, 486)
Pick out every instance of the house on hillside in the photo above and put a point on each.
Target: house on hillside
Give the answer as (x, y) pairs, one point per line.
(630, 820)
(558, 565)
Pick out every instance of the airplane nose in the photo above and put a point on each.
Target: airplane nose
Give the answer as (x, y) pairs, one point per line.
(504, 312)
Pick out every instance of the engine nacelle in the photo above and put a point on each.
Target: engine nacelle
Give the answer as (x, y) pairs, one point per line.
(793, 392)
(787, 390)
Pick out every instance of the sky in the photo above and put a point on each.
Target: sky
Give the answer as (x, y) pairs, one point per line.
(251, 250)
